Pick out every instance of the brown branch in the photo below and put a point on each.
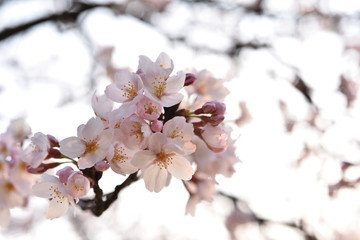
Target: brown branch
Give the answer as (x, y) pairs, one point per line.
(261, 221)
(102, 202)
(70, 15)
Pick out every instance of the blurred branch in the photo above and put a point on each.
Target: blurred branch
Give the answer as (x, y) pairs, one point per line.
(71, 15)
(253, 217)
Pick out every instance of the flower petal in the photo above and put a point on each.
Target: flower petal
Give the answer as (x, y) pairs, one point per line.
(143, 158)
(155, 178)
(57, 208)
(171, 99)
(175, 83)
(181, 168)
(72, 147)
(41, 189)
(92, 129)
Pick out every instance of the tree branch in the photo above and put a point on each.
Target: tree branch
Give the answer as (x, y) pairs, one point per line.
(102, 202)
(261, 221)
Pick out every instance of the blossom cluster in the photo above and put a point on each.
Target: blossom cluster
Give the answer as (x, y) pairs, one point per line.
(152, 123)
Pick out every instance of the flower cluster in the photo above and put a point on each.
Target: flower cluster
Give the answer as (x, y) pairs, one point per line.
(15, 181)
(150, 124)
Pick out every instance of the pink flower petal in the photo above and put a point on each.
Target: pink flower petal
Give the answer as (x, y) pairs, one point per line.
(181, 168)
(143, 158)
(57, 208)
(72, 147)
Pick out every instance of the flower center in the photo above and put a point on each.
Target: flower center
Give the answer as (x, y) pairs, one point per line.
(136, 131)
(56, 194)
(149, 108)
(120, 155)
(163, 160)
(177, 133)
(129, 90)
(159, 86)
(91, 146)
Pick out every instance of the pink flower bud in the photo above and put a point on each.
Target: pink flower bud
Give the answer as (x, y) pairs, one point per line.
(214, 107)
(54, 153)
(156, 125)
(64, 174)
(78, 185)
(53, 141)
(209, 107)
(189, 79)
(216, 120)
(102, 166)
(220, 108)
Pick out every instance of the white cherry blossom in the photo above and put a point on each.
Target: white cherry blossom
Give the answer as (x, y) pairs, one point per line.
(77, 185)
(102, 106)
(157, 80)
(215, 137)
(91, 144)
(181, 133)
(119, 158)
(51, 187)
(126, 88)
(38, 149)
(135, 132)
(161, 161)
(148, 109)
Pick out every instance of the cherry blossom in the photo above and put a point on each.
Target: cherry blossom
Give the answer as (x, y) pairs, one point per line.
(156, 125)
(7, 146)
(201, 188)
(148, 109)
(64, 174)
(157, 80)
(119, 158)
(51, 187)
(126, 88)
(215, 137)
(102, 106)
(181, 133)
(116, 117)
(4, 217)
(90, 146)
(161, 161)
(77, 185)
(135, 131)
(207, 88)
(10, 196)
(19, 129)
(147, 134)
(38, 149)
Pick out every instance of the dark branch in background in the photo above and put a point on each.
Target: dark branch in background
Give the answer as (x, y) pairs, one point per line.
(350, 89)
(253, 217)
(300, 85)
(71, 15)
(102, 202)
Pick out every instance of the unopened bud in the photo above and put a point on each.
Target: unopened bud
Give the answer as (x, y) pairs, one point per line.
(220, 108)
(156, 125)
(209, 107)
(64, 174)
(216, 120)
(54, 153)
(102, 166)
(53, 141)
(189, 79)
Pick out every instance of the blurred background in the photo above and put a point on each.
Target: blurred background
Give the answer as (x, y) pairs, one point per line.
(292, 68)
